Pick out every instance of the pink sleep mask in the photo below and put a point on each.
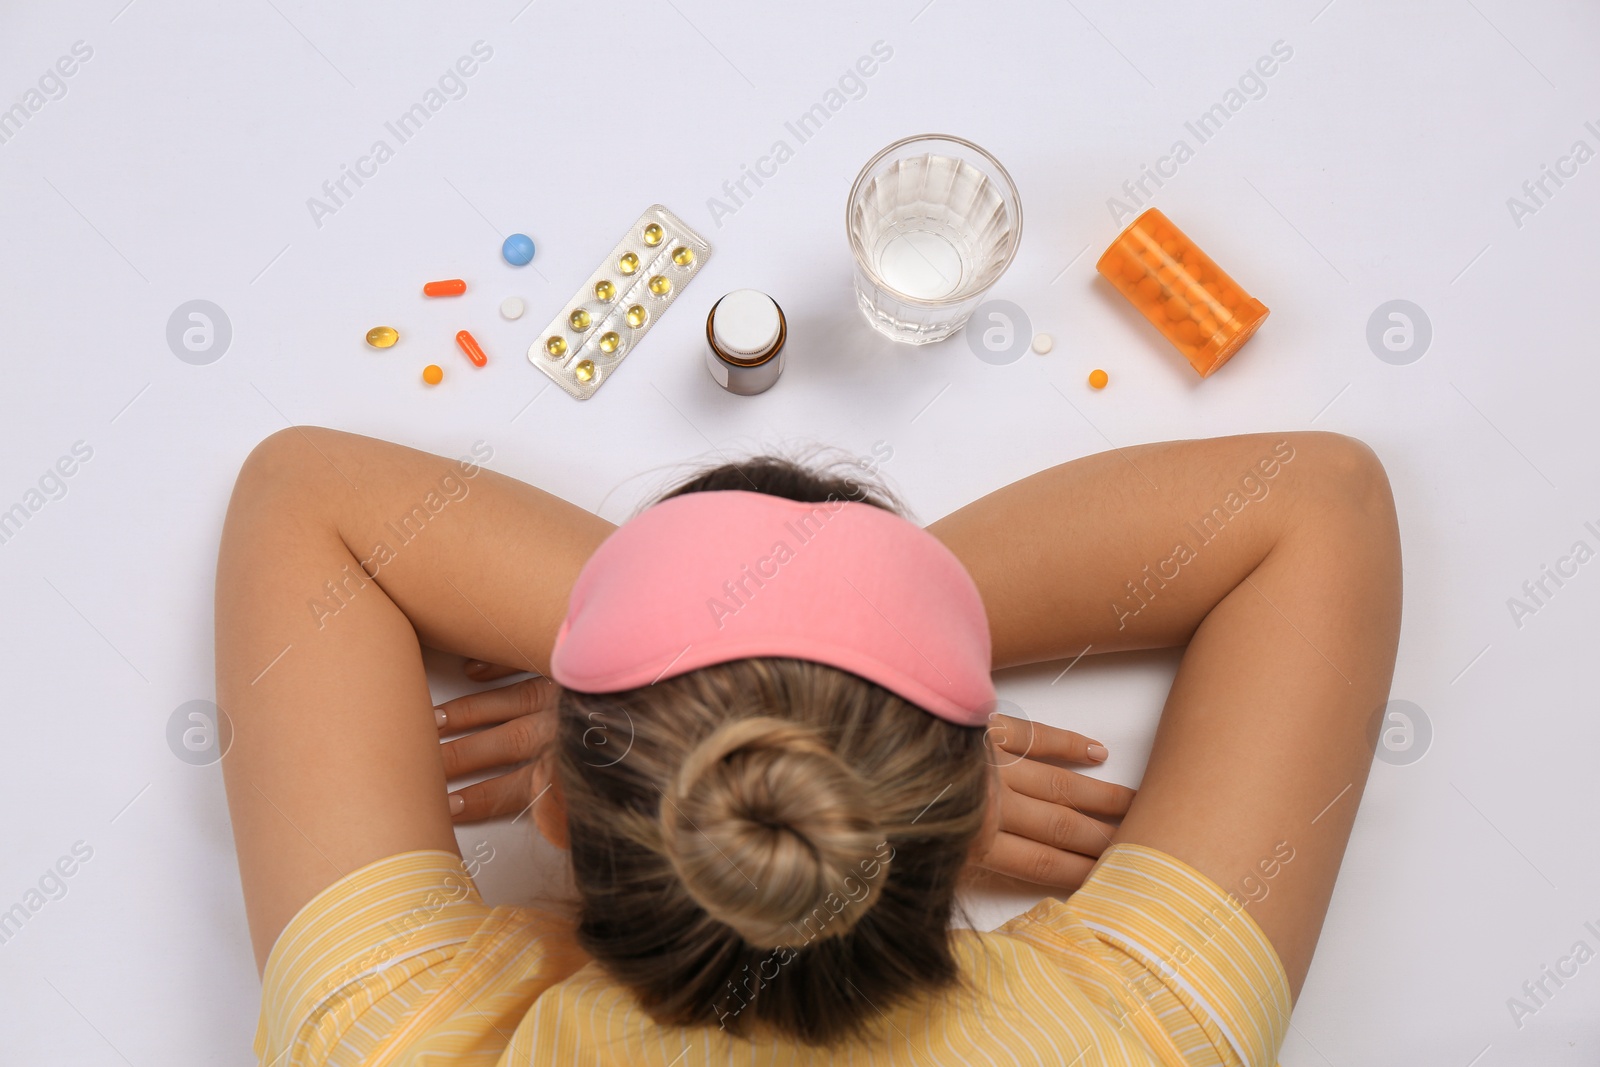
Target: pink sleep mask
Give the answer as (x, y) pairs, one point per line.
(711, 577)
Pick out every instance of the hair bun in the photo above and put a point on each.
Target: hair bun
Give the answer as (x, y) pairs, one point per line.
(765, 825)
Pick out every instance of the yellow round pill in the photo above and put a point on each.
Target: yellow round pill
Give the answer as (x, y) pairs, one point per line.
(608, 343)
(660, 285)
(584, 371)
(637, 316)
(579, 319)
(382, 336)
(628, 262)
(652, 234)
(555, 346)
(1098, 379)
(604, 290)
(683, 255)
(433, 374)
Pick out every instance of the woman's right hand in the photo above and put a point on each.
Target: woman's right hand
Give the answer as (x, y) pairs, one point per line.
(1048, 831)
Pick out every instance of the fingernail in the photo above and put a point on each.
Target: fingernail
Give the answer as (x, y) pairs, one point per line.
(1097, 751)
(457, 803)
(440, 719)
(475, 666)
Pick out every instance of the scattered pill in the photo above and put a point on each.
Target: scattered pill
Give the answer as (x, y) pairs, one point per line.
(604, 290)
(518, 250)
(512, 307)
(1098, 379)
(609, 342)
(469, 344)
(661, 285)
(683, 255)
(449, 287)
(1043, 343)
(584, 371)
(652, 234)
(637, 316)
(555, 347)
(628, 262)
(382, 336)
(433, 374)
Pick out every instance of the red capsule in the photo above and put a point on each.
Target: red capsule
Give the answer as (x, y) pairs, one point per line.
(469, 345)
(449, 287)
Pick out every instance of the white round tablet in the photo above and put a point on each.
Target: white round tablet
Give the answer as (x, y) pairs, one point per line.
(1043, 343)
(746, 322)
(512, 307)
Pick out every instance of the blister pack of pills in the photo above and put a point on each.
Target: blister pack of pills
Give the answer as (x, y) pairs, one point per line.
(619, 303)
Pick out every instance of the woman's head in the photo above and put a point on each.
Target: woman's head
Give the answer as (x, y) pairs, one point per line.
(769, 841)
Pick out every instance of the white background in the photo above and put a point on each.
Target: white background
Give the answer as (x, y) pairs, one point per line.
(1376, 166)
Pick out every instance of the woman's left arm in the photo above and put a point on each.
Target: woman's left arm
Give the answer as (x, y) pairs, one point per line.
(340, 557)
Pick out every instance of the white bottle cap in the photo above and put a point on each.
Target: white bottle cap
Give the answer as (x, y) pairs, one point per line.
(746, 323)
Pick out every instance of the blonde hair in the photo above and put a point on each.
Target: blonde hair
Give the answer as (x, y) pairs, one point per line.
(769, 843)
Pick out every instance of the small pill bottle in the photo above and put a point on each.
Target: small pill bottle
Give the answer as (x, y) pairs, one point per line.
(745, 332)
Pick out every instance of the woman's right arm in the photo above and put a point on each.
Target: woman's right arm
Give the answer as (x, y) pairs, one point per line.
(1275, 558)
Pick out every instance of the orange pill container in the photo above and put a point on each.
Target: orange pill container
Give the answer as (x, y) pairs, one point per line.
(1204, 313)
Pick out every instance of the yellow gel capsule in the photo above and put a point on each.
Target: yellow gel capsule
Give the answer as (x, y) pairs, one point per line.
(652, 234)
(584, 371)
(382, 336)
(555, 346)
(604, 290)
(608, 343)
(637, 316)
(579, 319)
(627, 263)
(683, 255)
(660, 285)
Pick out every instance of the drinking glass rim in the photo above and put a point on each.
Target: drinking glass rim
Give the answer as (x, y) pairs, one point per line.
(855, 187)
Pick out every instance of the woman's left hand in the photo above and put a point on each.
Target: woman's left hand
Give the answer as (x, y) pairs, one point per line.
(511, 726)
(1048, 832)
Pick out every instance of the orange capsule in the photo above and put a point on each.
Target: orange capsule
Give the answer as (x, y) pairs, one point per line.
(449, 287)
(469, 344)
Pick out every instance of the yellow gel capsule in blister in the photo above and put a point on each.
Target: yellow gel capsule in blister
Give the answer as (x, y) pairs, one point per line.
(629, 291)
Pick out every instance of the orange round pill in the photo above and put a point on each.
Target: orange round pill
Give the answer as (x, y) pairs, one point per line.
(433, 374)
(1098, 379)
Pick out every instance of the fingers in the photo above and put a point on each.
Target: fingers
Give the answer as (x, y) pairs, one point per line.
(479, 671)
(1053, 825)
(1024, 737)
(1069, 789)
(1031, 861)
(509, 794)
(504, 745)
(527, 697)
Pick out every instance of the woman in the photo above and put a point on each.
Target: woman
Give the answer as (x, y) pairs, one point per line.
(768, 826)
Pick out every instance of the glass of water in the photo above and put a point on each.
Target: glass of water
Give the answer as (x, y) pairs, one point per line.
(933, 223)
